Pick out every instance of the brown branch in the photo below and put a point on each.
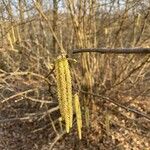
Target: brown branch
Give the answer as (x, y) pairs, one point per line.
(30, 116)
(130, 73)
(118, 104)
(58, 137)
(6, 75)
(114, 50)
(16, 95)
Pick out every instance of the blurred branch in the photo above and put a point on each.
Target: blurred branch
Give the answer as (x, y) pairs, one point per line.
(58, 137)
(30, 116)
(5, 75)
(118, 104)
(16, 95)
(39, 100)
(38, 7)
(114, 50)
(131, 72)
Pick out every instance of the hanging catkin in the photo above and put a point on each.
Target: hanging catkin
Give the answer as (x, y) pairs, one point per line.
(78, 114)
(59, 88)
(64, 90)
(69, 90)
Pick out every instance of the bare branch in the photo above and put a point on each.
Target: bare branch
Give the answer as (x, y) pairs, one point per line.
(114, 50)
(118, 104)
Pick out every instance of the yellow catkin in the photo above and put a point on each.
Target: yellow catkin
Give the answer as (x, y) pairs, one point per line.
(87, 118)
(138, 20)
(64, 95)
(63, 89)
(13, 34)
(10, 40)
(18, 35)
(106, 31)
(78, 114)
(69, 90)
(107, 123)
(59, 93)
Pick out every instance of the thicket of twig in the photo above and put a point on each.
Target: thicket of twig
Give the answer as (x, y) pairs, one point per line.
(34, 33)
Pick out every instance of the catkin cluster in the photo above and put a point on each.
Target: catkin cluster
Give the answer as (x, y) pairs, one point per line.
(65, 98)
(78, 114)
(64, 90)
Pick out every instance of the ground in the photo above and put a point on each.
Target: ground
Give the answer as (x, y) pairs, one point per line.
(120, 130)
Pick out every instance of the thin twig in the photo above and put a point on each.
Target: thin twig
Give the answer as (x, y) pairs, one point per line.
(117, 104)
(38, 7)
(6, 75)
(58, 137)
(29, 116)
(51, 71)
(39, 100)
(16, 95)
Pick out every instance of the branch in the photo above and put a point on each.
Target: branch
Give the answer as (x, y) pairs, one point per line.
(16, 95)
(20, 73)
(30, 116)
(58, 137)
(114, 50)
(118, 104)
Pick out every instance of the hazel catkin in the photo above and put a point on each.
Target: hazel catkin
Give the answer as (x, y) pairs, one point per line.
(78, 114)
(64, 90)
